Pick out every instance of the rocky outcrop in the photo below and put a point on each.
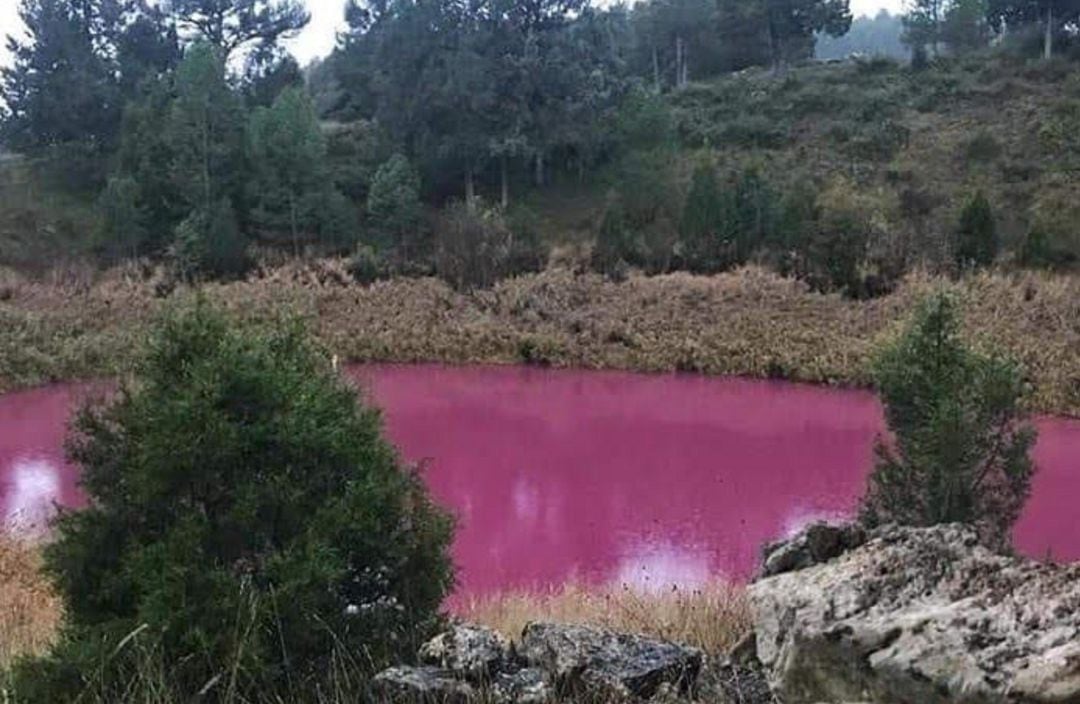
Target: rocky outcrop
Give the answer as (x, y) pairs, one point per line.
(423, 685)
(470, 663)
(819, 542)
(473, 652)
(607, 664)
(916, 616)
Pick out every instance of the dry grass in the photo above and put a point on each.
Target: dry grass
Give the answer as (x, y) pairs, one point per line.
(748, 322)
(30, 611)
(713, 617)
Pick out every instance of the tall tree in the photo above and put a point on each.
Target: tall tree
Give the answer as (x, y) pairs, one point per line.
(922, 24)
(288, 154)
(1052, 15)
(205, 129)
(778, 31)
(233, 24)
(61, 88)
(965, 27)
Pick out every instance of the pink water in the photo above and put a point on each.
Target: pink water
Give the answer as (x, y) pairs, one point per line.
(599, 476)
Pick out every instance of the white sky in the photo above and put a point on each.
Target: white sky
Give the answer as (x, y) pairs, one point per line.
(327, 16)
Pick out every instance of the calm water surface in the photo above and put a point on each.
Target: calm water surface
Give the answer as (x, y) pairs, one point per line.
(598, 476)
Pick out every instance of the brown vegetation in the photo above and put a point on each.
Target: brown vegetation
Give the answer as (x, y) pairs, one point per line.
(748, 322)
(713, 617)
(30, 611)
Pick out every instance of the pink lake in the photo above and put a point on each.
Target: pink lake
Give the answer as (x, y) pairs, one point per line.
(598, 476)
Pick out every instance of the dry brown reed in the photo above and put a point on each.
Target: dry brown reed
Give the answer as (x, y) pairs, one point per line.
(747, 322)
(30, 610)
(713, 617)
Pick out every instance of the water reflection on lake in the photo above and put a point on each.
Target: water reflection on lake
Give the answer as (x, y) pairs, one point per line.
(648, 481)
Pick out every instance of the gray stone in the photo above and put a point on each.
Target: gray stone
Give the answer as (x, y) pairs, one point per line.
(921, 615)
(608, 664)
(528, 686)
(473, 652)
(422, 685)
(815, 544)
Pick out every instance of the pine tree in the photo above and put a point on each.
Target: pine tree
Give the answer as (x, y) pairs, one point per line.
(961, 452)
(231, 25)
(61, 90)
(393, 204)
(247, 517)
(288, 155)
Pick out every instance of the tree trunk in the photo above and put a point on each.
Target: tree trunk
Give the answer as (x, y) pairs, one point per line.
(293, 226)
(685, 76)
(656, 69)
(1048, 41)
(504, 179)
(470, 187)
(538, 176)
(678, 62)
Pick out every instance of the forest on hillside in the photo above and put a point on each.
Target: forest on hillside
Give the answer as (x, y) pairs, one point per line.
(466, 139)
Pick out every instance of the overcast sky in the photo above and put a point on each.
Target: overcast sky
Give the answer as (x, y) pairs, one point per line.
(317, 38)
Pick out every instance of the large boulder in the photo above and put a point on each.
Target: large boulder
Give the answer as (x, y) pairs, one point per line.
(422, 685)
(472, 652)
(924, 616)
(606, 664)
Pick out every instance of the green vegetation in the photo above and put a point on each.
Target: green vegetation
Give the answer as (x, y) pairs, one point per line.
(962, 452)
(250, 534)
(166, 150)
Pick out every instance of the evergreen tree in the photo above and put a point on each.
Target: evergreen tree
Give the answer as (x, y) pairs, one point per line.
(205, 130)
(792, 25)
(247, 521)
(922, 24)
(288, 156)
(393, 204)
(965, 26)
(61, 90)
(1053, 16)
(234, 24)
(961, 451)
(976, 242)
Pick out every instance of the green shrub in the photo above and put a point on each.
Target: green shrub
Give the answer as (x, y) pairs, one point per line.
(210, 244)
(975, 239)
(983, 147)
(839, 241)
(704, 215)
(961, 451)
(247, 521)
(617, 244)
(1054, 239)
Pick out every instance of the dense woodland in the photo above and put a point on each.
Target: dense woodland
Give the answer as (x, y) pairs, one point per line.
(433, 138)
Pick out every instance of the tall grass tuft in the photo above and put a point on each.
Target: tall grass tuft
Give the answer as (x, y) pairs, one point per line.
(713, 617)
(30, 610)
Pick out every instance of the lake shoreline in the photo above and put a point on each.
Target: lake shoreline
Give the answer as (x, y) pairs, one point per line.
(747, 323)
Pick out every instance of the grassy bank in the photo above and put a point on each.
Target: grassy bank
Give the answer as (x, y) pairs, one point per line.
(713, 617)
(72, 325)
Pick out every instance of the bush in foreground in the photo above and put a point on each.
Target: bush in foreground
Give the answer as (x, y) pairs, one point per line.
(247, 525)
(961, 453)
